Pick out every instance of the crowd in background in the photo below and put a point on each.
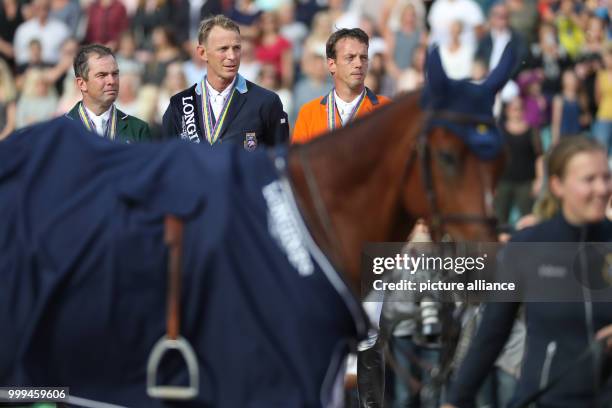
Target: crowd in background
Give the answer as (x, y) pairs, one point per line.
(562, 82)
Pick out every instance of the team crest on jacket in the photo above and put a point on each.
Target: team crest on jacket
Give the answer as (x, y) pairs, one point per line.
(250, 141)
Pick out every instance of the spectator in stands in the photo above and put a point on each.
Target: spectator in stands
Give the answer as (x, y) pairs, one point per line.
(173, 83)
(413, 78)
(106, 20)
(62, 71)
(269, 79)
(315, 81)
(246, 14)
(51, 34)
(127, 100)
(195, 68)
(35, 61)
(457, 58)
(149, 15)
(273, 48)
(294, 31)
(595, 36)
(8, 95)
(500, 34)
(602, 130)
(250, 66)
(321, 30)
(549, 56)
(97, 76)
(523, 146)
(377, 79)
(10, 18)
(68, 12)
(570, 114)
(534, 102)
(444, 12)
(571, 34)
(126, 54)
(38, 101)
(392, 16)
(403, 41)
(524, 18)
(166, 51)
(347, 61)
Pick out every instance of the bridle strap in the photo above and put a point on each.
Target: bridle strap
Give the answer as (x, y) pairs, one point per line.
(423, 150)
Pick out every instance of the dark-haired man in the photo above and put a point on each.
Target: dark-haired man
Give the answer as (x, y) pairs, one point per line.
(97, 76)
(347, 61)
(224, 107)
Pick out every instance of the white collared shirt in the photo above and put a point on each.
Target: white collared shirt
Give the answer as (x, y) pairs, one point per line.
(499, 39)
(99, 121)
(217, 99)
(345, 108)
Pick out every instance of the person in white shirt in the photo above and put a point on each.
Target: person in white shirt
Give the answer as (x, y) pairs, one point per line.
(50, 32)
(444, 12)
(492, 45)
(457, 58)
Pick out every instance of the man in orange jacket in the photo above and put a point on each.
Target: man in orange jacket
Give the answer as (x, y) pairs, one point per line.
(347, 61)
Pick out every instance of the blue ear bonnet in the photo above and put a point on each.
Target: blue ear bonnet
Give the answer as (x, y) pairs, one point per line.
(466, 98)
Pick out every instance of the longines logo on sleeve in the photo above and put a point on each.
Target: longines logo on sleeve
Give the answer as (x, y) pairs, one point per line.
(188, 124)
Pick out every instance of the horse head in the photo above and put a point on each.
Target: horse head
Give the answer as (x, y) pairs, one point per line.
(434, 155)
(458, 156)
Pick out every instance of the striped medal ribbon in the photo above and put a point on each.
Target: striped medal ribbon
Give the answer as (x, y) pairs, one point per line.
(212, 131)
(331, 109)
(111, 126)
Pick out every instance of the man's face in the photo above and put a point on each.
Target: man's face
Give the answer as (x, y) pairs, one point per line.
(102, 84)
(351, 63)
(221, 51)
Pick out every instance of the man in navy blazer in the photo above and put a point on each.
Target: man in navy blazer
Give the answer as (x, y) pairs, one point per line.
(224, 107)
(492, 45)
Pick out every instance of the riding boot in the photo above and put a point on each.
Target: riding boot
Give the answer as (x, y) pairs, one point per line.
(371, 377)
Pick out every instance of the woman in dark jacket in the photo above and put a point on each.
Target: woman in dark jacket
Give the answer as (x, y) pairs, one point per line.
(557, 332)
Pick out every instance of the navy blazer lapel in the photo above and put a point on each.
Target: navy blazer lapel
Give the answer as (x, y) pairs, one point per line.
(238, 100)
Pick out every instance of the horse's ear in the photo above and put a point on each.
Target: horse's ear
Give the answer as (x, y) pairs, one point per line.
(502, 72)
(436, 77)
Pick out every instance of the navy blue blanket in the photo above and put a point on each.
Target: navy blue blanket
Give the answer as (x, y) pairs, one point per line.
(83, 272)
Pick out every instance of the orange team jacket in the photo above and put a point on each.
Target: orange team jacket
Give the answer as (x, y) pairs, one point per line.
(312, 118)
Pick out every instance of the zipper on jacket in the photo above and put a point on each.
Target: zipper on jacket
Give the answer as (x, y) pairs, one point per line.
(550, 354)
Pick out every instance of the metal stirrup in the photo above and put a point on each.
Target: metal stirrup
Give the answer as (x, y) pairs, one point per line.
(173, 237)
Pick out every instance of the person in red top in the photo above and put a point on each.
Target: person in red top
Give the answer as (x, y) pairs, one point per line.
(106, 20)
(275, 49)
(347, 61)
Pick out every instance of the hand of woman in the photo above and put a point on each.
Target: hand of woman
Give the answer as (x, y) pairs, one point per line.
(603, 333)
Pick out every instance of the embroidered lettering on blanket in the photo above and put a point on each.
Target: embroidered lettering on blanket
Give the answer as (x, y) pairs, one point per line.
(283, 227)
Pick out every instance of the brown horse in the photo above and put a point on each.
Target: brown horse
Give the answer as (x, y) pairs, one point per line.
(368, 183)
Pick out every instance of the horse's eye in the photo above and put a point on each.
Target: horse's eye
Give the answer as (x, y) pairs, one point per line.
(448, 160)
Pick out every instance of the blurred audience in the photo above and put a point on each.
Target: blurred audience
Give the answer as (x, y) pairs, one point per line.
(8, 95)
(106, 20)
(50, 32)
(38, 101)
